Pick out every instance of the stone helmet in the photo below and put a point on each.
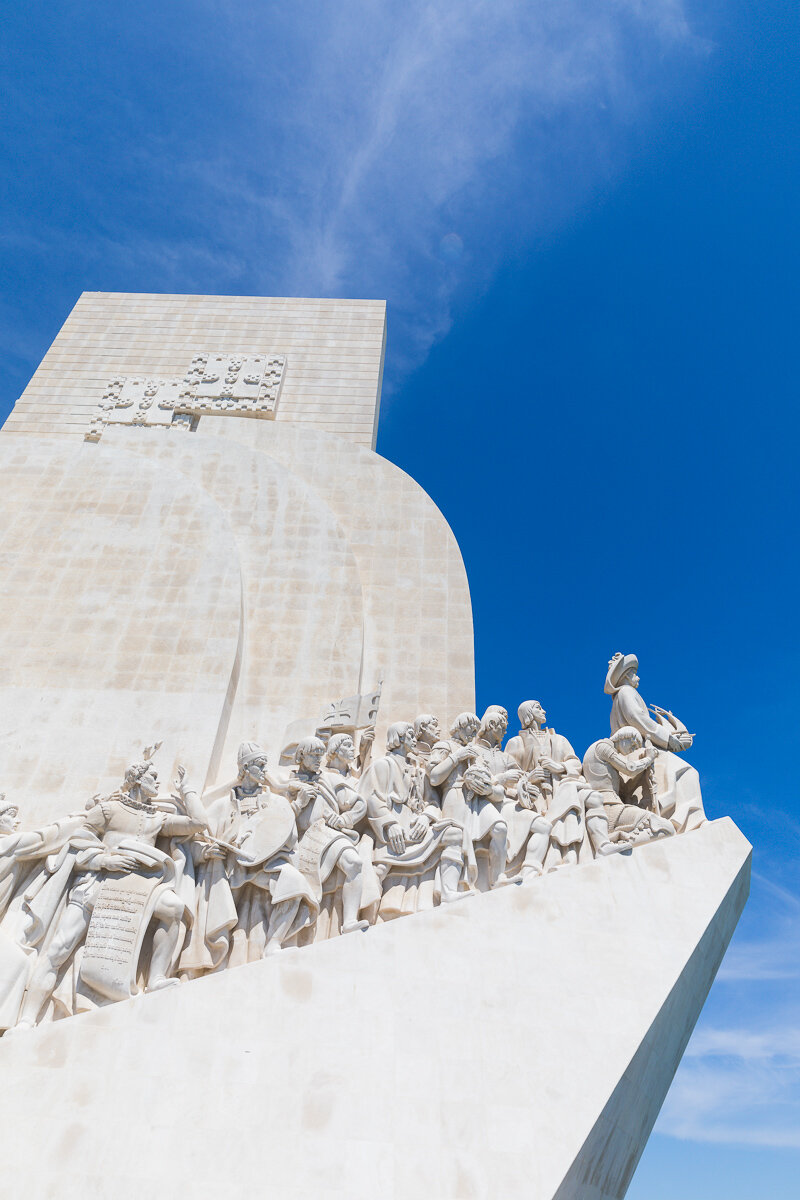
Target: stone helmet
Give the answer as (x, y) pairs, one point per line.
(248, 751)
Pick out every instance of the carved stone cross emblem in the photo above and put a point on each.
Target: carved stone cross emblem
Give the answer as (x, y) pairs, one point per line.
(245, 385)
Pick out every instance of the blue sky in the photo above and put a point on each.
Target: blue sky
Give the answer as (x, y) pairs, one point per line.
(583, 217)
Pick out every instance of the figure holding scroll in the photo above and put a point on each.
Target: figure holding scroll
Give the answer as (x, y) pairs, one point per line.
(123, 882)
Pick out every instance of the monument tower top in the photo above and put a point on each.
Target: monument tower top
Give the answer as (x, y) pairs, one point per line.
(332, 350)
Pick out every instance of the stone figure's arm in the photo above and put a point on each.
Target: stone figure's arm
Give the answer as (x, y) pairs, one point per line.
(195, 819)
(441, 764)
(355, 813)
(607, 754)
(567, 757)
(510, 777)
(628, 766)
(515, 750)
(633, 711)
(38, 843)
(96, 818)
(381, 817)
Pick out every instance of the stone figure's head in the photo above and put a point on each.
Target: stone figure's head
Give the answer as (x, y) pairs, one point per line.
(478, 778)
(627, 739)
(341, 750)
(143, 778)
(309, 754)
(530, 712)
(427, 728)
(464, 728)
(252, 762)
(9, 815)
(622, 669)
(401, 736)
(494, 724)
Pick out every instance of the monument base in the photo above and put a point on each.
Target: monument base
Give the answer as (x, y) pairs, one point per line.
(517, 1044)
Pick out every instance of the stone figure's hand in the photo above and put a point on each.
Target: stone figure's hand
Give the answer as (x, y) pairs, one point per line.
(212, 853)
(465, 754)
(526, 799)
(336, 821)
(304, 797)
(367, 737)
(118, 862)
(538, 775)
(510, 778)
(180, 782)
(419, 827)
(555, 768)
(396, 840)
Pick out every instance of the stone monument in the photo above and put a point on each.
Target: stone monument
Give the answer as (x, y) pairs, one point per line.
(211, 577)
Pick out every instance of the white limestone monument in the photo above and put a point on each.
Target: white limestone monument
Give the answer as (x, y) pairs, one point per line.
(239, 743)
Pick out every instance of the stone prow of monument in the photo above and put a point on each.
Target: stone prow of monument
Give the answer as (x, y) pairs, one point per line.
(207, 566)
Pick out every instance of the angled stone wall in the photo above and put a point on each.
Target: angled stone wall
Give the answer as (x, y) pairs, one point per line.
(518, 1044)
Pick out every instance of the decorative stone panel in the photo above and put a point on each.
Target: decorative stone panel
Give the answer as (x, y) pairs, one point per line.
(215, 382)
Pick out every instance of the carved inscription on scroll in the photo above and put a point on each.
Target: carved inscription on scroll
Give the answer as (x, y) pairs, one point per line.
(114, 938)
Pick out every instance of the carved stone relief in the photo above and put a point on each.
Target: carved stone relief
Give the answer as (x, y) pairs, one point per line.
(215, 382)
(139, 891)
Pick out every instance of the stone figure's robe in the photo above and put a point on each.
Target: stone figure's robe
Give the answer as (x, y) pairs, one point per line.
(234, 896)
(421, 758)
(531, 745)
(391, 788)
(519, 817)
(677, 783)
(265, 875)
(321, 846)
(563, 799)
(21, 856)
(477, 815)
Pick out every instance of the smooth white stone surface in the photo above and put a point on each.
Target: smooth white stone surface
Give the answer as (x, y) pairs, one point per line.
(518, 1044)
(155, 562)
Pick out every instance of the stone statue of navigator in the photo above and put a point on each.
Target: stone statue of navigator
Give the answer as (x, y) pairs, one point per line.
(126, 828)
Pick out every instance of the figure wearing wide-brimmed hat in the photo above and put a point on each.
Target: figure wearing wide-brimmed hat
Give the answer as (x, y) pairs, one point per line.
(678, 784)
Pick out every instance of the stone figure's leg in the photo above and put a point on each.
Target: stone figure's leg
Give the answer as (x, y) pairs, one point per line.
(597, 825)
(350, 865)
(72, 927)
(451, 864)
(498, 851)
(280, 922)
(166, 938)
(538, 845)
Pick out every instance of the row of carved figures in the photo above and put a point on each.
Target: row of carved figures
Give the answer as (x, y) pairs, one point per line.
(139, 892)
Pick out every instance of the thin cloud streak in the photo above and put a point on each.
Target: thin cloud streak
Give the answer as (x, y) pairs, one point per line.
(401, 152)
(739, 1087)
(406, 126)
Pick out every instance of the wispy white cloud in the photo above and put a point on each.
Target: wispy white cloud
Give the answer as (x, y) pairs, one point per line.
(776, 954)
(352, 148)
(739, 1081)
(738, 1086)
(413, 122)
